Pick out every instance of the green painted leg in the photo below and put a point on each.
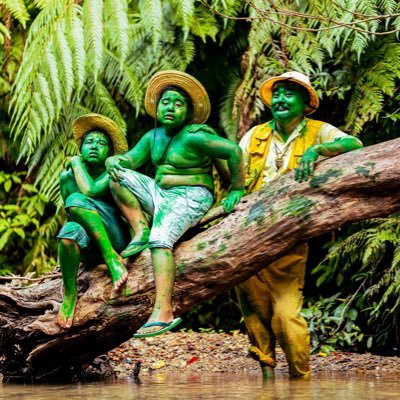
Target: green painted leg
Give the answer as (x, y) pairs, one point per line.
(69, 257)
(164, 277)
(130, 208)
(94, 226)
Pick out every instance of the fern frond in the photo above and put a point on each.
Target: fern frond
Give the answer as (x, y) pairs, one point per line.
(117, 27)
(93, 22)
(152, 19)
(75, 37)
(17, 9)
(185, 12)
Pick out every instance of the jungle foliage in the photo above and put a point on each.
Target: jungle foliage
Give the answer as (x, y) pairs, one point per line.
(62, 58)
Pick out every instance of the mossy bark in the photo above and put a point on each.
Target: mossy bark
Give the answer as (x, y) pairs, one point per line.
(265, 225)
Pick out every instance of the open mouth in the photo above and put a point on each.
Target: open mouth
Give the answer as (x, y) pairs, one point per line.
(169, 117)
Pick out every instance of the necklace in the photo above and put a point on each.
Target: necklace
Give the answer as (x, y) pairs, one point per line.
(162, 159)
(279, 156)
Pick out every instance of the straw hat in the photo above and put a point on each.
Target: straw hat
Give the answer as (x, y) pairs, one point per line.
(194, 89)
(293, 76)
(91, 122)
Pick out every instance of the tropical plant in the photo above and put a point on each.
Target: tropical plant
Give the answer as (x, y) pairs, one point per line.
(350, 50)
(26, 231)
(94, 55)
(365, 265)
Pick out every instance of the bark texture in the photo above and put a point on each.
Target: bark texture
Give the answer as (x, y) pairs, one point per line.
(354, 186)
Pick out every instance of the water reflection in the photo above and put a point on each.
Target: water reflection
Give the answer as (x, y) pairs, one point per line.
(214, 386)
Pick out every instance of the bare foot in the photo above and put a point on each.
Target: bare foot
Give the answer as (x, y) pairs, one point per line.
(119, 274)
(66, 311)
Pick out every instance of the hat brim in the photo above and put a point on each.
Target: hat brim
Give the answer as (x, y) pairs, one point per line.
(267, 87)
(194, 89)
(91, 122)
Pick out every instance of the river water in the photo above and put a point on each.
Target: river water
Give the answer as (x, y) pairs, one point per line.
(215, 386)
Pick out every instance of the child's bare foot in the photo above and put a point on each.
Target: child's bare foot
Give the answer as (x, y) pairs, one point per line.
(66, 311)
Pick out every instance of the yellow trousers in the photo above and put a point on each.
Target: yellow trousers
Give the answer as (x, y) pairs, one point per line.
(271, 301)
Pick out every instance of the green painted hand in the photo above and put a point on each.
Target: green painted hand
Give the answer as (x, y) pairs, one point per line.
(232, 200)
(116, 165)
(306, 165)
(194, 128)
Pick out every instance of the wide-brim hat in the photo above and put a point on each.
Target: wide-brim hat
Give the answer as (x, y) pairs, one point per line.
(91, 122)
(195, 90)
(293, 76)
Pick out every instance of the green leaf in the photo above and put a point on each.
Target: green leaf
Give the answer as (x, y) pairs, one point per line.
(7, 186)
(4, 238)
(20, 232)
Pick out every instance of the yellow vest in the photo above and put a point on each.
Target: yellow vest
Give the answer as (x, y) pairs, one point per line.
(260, 143)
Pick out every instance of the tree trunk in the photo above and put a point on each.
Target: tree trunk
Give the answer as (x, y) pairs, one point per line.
(354, 186)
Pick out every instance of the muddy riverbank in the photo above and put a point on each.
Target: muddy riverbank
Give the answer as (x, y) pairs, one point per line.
(183, 352)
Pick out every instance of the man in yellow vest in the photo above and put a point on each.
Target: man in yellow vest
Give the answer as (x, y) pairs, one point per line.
(271, 300)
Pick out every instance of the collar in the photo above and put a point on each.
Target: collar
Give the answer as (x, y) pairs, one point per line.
(296, 131)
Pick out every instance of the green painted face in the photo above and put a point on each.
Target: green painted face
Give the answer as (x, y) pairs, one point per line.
(172, 109)
(287, 102)
(95, 148)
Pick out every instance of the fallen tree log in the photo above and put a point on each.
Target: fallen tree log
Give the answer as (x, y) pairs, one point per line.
(354, 186)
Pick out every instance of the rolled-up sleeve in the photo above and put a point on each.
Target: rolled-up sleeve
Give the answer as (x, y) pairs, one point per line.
(329, 133)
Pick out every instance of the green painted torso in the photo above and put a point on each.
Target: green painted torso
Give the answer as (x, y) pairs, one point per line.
(178, 164)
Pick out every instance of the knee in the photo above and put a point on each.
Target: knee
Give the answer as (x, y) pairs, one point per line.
(285, 313)
(68, 243)
(115, 187)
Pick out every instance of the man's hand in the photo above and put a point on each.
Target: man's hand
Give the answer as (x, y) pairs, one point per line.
(232, 200)
(306, 165)
(114, 166)
(194, 128)
(70, 162)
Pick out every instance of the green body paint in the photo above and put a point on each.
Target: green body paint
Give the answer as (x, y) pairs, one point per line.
(319, 180)
(183, 156)
(298, 206)
(86, 175)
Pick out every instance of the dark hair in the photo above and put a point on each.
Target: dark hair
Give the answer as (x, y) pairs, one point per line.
(98, 130)
(180, 91)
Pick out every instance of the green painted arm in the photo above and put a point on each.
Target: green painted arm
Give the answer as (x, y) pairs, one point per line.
(220, 148)
(133, 159)
(306, 165)
(86, 184)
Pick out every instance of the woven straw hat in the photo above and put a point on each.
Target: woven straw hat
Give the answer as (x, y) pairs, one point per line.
(293, 76)
(194, 89)
(91, 122)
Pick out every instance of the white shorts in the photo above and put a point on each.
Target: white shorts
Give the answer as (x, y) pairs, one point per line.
(174, 210)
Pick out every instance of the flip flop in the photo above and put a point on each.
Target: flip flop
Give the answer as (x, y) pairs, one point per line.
(165, 327)
(134, 248)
